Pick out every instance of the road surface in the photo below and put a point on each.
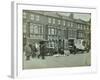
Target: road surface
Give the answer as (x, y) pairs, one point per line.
(58, 61)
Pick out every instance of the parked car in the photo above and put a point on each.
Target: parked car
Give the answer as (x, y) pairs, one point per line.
(71, 46)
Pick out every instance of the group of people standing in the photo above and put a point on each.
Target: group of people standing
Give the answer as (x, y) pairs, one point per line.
(40, 50)
(35, 50)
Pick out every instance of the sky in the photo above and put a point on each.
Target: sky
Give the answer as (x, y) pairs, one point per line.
(83, 16)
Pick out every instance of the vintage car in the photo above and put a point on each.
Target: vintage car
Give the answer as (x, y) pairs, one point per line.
(75, 48)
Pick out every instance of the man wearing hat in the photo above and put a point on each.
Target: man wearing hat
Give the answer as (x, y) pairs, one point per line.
(42, 50)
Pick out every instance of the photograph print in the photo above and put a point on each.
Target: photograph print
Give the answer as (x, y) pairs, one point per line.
(54, 39)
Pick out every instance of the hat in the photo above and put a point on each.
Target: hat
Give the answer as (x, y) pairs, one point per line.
(42, 42)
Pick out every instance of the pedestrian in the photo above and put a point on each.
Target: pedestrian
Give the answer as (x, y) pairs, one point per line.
(74, 49)
(67, 52)
(34, 50)
(42, 50)
(62, 51)
(37, 50)
(28, 51)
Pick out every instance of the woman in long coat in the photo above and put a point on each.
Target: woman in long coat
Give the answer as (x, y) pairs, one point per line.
(28, 52)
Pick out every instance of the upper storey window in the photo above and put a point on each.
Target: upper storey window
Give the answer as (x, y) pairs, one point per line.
(24, 15)
(59, 21)
(49, 20)
(64, 23)
(37, 18)
(32, 17)
(53, 21)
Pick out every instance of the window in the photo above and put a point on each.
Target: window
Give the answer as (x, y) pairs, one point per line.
(71, 33)
(36, 29)
(58, 21)
(41, 29)
(62, 33)
(49, 31)
(55, 31)
(32, 17)
(64, 23)
(51, 43)
(78, 26)
(49, 20)
(24, 14)
(84, 27)
(68, 24)
(48, 44)
(53, 21)
(24, 28)
(37, 17)
(87, 27)
(81, 27)
(80, 34)
(71, 24)
(59, 32)
(31, 28)
(52, 31)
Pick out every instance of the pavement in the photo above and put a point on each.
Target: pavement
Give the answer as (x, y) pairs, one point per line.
(77, 60)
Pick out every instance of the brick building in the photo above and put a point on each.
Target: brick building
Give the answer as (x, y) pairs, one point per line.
(53, 28)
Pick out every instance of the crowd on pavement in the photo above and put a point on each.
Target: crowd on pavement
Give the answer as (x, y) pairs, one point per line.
(40, 51)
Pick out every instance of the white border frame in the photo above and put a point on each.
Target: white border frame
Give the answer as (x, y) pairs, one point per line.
(16, 66)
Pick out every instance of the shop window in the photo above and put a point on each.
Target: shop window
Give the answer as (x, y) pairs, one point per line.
(51, 44)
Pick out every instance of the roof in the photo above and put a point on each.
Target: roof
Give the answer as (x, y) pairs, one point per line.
(80, 21)
(56, 15)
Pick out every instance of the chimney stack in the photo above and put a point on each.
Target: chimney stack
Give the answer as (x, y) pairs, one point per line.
(71, 15)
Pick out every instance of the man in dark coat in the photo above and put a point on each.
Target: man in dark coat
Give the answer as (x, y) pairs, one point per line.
(42, 50)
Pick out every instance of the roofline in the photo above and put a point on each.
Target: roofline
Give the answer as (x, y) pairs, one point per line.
(73, 20)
